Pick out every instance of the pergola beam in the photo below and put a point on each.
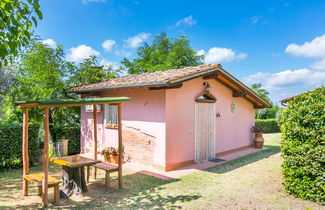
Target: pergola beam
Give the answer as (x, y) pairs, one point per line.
(120, 146)
(45, 158)
(25, 151)
(95, 138)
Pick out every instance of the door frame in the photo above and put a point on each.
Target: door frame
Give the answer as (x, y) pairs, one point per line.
(195, 129)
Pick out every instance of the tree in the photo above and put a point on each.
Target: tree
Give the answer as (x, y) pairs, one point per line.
(88, 72)
(257, 88)
(162, 54)
(7, 80)
(44, 73)
(268, 113)
(16, 21)
(40, 75)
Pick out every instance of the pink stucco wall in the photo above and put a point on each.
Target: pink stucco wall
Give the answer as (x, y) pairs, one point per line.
(232, 129)
(169, 115)
(146, 112)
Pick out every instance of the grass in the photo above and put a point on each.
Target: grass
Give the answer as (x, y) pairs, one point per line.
(250, 182)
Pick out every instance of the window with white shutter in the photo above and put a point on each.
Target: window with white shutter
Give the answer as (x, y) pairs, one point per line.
(111, 116)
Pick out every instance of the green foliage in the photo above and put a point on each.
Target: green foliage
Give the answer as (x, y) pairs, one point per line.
(162, 54)
(11, 145)
(87, 72)
(257, 88)
(17, 17)
(69, 132)
(303, 146)
(44, 73)
(40, 75)
(278, 116)
(270, 125)
(268, 113)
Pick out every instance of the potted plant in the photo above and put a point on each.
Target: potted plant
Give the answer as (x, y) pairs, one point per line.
(113, 155)
(258, 140)
(110, 155)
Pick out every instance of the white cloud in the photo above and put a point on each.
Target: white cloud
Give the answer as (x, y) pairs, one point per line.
(312, 49)
(108, 45)
(135, 41)
(81, 52)
(187, 21)
(201, 52)
(319, 64)
(218, 55)
(288, 82)
(105, 62)
(50, 42)
(123, 53)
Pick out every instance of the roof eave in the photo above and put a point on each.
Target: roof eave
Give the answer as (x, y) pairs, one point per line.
(152, 84)
(119, 87)
(264, 103)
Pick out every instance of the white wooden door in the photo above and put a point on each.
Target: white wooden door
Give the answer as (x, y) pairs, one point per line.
(205, 123)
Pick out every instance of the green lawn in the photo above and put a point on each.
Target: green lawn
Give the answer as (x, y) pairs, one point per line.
(251, 182)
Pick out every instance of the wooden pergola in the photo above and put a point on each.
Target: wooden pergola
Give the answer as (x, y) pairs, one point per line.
(46, 105)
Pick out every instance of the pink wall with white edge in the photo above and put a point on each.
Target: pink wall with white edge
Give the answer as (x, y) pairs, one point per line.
(145, 111)
(233, 130)
(169, 116)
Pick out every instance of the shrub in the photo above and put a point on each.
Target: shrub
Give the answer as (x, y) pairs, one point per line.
(303, 145)
(11, 145)
(270, 125)
(69, 132)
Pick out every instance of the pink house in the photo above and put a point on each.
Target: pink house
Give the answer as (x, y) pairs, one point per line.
(175, 117)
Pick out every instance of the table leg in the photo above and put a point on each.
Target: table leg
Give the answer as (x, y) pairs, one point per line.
(73, 182)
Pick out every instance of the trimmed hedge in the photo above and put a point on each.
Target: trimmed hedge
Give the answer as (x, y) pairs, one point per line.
(303, 146)
(270, 125)
(72, 133)
(11, 145)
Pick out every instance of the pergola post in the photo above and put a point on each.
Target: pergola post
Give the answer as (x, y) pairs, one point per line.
(120, 146)
(95, 138)
(45, 157)
(25, 150)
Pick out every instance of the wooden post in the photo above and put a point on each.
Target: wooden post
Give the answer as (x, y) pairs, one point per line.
(120, 145)
(95, 138)
(25, 150)
(45, 157)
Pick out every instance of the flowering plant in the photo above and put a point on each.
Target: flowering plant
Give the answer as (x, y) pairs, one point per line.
(258, 129)
(109, 151)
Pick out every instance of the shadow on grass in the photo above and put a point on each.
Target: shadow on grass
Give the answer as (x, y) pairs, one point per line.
(139, 191)
(11, 182)
(240, 162)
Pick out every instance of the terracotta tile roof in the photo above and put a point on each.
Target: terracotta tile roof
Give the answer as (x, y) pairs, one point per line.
(153, 79)
(173, 77)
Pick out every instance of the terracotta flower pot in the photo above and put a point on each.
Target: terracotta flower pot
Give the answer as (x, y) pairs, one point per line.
(259, 141)
(114, 159)
(107, 159)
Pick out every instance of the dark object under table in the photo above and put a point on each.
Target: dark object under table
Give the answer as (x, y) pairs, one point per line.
(73, 174)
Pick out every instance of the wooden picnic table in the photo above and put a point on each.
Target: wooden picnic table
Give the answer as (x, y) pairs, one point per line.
(73, 174)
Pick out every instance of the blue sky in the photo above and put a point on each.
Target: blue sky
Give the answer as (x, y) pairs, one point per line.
(278, 43)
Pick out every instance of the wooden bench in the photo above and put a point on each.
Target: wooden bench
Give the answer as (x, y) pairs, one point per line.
(107, 167)
(52, 182)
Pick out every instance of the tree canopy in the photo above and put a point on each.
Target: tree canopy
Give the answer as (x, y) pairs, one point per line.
(43, 72)
(269, 113)
(257, 88)
(162, 54)
(87, 72)
(17, 17)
